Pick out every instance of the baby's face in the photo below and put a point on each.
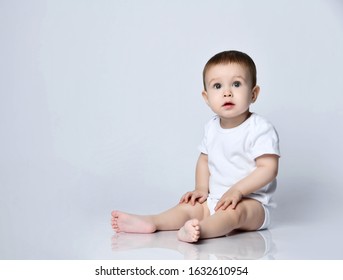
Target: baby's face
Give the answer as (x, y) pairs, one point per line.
(229, 92)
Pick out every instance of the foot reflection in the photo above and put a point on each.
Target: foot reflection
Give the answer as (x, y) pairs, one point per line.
(240, 245)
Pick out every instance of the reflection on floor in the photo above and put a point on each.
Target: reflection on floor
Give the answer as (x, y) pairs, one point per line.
(241, 245)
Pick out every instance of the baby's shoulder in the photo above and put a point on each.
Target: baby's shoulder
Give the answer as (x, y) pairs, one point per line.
(258, 122)
(212, 122)
(261, 128)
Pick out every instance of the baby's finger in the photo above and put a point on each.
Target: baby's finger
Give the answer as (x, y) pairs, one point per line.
(194, 198)
(222, 205)
(218, 205)
(189, 197)
(225, 205)
(202, 199)
(233, 204)
(184, 198)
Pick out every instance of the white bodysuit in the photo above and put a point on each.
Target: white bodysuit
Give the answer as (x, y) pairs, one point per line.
(232, 153)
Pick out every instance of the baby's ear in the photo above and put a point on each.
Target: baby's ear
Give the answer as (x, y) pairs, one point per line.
(205, 96)
(255, 93)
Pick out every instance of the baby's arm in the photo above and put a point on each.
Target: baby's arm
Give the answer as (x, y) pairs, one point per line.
(265, 172)
(202, 175)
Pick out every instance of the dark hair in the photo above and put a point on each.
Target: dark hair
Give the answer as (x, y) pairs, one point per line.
(226, 57)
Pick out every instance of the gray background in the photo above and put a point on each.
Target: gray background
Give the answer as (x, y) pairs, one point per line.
(101, 109)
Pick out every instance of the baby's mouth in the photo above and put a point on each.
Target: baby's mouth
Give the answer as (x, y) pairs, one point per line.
(228, 104)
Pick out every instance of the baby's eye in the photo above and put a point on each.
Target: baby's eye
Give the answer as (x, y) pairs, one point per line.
(217, 86)
(236, 84)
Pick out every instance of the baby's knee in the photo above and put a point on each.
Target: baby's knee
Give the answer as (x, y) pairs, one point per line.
(190, 206)
(194, 211)
(236, 216)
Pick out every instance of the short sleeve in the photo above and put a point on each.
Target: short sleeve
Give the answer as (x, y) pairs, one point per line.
(203, 145)
(265, 140)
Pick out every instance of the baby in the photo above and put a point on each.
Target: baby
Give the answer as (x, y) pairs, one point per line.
(237, 166)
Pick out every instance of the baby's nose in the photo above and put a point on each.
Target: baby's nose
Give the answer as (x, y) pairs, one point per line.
(228, 93)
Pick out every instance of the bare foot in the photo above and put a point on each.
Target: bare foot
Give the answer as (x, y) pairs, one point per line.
(123, 222)
(190, 232)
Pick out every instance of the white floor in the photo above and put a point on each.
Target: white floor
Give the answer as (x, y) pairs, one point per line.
(93, 239)
(68, 217)
(281, 243)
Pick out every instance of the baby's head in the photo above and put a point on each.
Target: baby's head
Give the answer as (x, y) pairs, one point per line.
(227, 57)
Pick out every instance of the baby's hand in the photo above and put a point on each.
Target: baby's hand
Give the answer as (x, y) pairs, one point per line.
(230, 198)
(194, 196)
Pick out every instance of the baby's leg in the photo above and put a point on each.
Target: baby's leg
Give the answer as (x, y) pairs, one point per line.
(171, 219)
(248, 215)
